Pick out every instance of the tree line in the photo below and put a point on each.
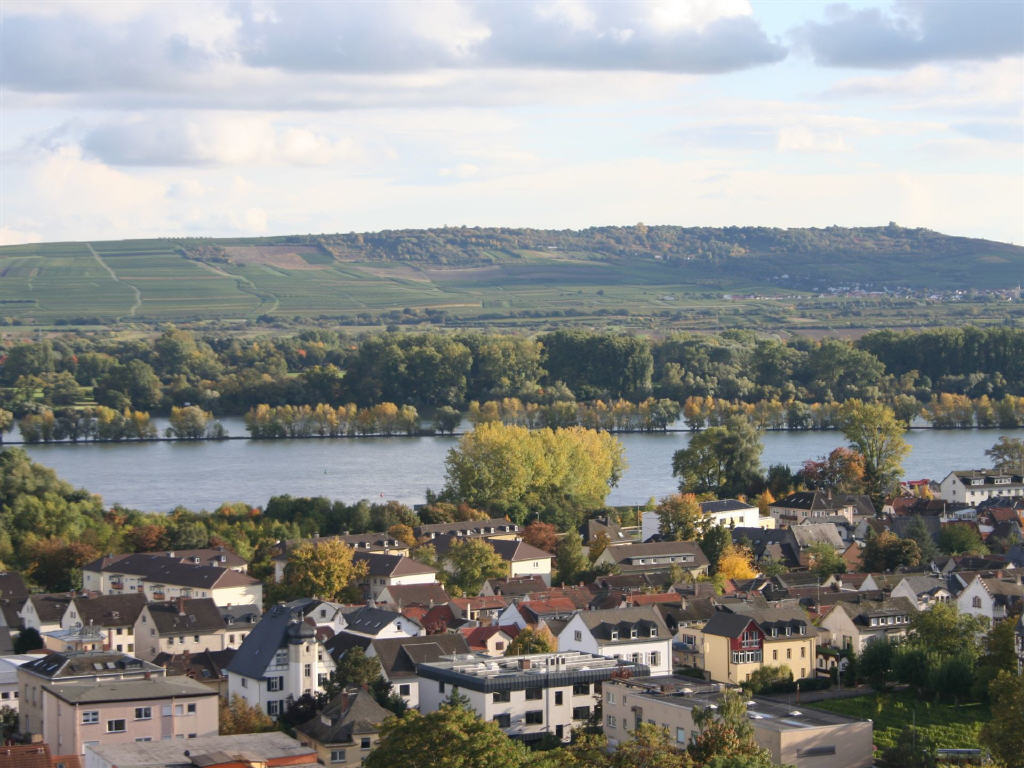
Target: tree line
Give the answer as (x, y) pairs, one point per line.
(229, 375)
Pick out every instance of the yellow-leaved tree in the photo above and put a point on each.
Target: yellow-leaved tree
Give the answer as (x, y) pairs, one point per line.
(322, 568)
(736, 562)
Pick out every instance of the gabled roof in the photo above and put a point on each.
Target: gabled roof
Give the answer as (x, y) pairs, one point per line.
(595, 526)
(724, 505)
(621, 552)
(518, 586)
(532, 610)
(260, 645)
(195, 616)
(807, 534)
(472, 527)
(202, 666)
(354, 712)
(71, 664)
(400, 655)
(343, 642)
(369, 620)
(516, 551)
(601, 623)
(50, 608)
(862, 611)
(140, 563)
(380, 564)
(726, 624)
(109, 610)
(403, 595)
(12, 586)
(477, 637)
(163, 569)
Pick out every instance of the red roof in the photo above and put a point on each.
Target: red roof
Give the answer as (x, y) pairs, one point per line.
(477, 637)
(668, 597)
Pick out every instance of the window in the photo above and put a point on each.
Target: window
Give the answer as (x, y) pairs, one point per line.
(803, 652)
(91, 717)
(611, 697)
(533, 694)
(179, 709)
(654, 632)
(581, 689)
(580, 713)
(976, 602)
(404, 690)
(816, 751)
(273, 708)
(165, 710)
(577, 635)
(789, 653)
(502, 696)
(503, 721)
(440, 686)
(115, 726)
(307, 670)
(190, 709)
(633, 632)
(680, 735)
(245, 683)
(611, 721)
(615, 634)
(499, 645)
(143, 713)
(337, 755)
(364, 743)
(275, 683)
(558, 697)
(655, 658)
(775, 655)
(144, 738)
(534, 717)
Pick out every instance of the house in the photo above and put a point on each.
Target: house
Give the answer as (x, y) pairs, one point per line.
(194, 626)
(524, 559)
(655, 556)
(686, 624)
(344, 731)
(401, 596)
(490, 641)
(994, 599)
(280, 659)
(634, 634)
(770, 545)
(379, 623)
(600, 526)
(529, 697)
(855, 624)
(36, 756)
(206, 667)
(731, 513)
(492, 527)
(518, 587)
(74, 699)
(45, 612)
(385, 571)
(806, 738)
(482, 609)
(112, 616)
(533, 612)
(923, 590)
(9, 678)
(743, 637)
(976, 485)
(247, 750)
(12, 586)
(399, 657)
(802, 505)
(167, 575)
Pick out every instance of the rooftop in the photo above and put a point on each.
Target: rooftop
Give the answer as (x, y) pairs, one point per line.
(273, 746)
(506, 673)
(137, 689)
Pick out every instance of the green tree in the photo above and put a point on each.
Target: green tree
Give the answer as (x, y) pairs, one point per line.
(680, 518)
(1003, 735)
(6, 420)
(943, 630)
(570, 559)
(447, 419)
(875, 663)
(323, 569)
(765, 677)
(887, 552)
(725, 732)
(1007, 455)
(649, 746)
(725, 460)
(919, 533)
(353, 669)
(824, 560)
(961, 539)
(28, 640)
(874, 431)
(713, 543)
(998, 654)
(913, 749)
(451, 737)
(473, 561)
(532, 641)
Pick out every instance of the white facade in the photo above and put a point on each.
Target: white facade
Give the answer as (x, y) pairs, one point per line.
(379, 583)
(655, 652)
(540, 566)
(296, 668)
(974, 487)
(743, 516)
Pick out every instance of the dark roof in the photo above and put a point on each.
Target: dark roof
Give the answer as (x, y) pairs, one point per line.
(354, 712)
(50, 608)
(902, 523)
(724, 505)
(71, 664)
(344, 641)
(595, 526)
(472, 527)
(369, 620)
(198, 615)
(202, 666)
(139, 563)
(400, 655)
(380, 564)
(236, 615)
(260, 645)
(519, 586)
(775, 544)
(513, 551)
(601, 623)
(417, 594)
(727, 624)
(110, 610)
(12, 586)
(621, 552)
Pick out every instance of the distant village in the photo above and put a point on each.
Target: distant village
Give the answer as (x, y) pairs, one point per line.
(138, 667)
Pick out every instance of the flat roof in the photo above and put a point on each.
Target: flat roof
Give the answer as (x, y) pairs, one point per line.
(763, 713)
(151, 754)
(479, 672)
(136, 689)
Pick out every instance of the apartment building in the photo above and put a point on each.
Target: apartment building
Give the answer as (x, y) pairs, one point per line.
(740, 639)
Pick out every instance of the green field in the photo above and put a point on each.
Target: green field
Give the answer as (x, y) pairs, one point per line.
(948, 726)
(432, 281)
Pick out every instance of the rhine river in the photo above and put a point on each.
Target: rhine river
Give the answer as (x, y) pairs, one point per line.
(159, 476)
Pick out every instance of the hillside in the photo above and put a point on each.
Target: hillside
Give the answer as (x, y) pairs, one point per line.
(693, 277)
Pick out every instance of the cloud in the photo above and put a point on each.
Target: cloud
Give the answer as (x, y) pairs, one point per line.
(993, 130)
(911, 32)
(205, 139)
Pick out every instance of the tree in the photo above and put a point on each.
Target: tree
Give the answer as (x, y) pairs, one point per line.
(8, 723)
(874, 431)
(447, 419)
(1003, 735)
(842, 470)
(961, 539)
(943, 630)
(875, 663)
(649, 746)
(887, 552)
(6, 419)
(473, 562)
(323, 569)
(919, 533)
(724, 732)
(510, 466)
(27, 640)
(713, 543)
(353, 669)
(542, 535)
(824, 560)
(532, 641)
(725, 460)
(736, 562)
(241, 717)
(570, 560)
(451, 737)
(1007, 455)
(999, 654)
(403, 533)
(680, 518)
(765, 677)
(913, 749)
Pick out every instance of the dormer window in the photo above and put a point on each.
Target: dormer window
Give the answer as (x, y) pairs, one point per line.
(615, 634)
(633, 632)
(654, 632)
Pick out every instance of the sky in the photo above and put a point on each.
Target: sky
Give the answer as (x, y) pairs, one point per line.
(142, 118)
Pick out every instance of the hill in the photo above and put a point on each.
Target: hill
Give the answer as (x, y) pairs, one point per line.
(694, 277)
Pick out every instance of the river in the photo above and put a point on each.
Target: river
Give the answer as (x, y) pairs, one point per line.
(159, 476)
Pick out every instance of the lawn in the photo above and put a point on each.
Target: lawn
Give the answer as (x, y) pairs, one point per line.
(950, 727)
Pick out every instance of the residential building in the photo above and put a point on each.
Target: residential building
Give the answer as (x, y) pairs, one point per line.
(206, 667)
(529, 697)
(807, 738)
(519, 587)
(995, 599)
(9, 687)
(923, 590)
(379, 623)
(345, 731)
(855, 624)
(655, 556)
(399, 657)
(742, 638)
(168, 575)
(280, 659)
(402, 596)
(385, 571)
(490, 528)
(524, 559)
(637, 634)
(45, 612)
(482, 609)
(802, 505)
(490, 641)
(113, 616)
(976, 485)
(247, 750)
(182, 625)
(728, 512)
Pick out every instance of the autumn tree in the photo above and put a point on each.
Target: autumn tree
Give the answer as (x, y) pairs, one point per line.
(725, 460)
(403, 533)
(1007, 455)
(842, 470)
(239, 716)
(323, 568)
(542, 535)
(680, 518)
(736, 562)
(473, 561)
(876, 434)
(887, 552)
(532, 641)
(649, 746)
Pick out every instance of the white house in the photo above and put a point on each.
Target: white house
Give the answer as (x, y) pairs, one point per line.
(923, 590)
(529, 697)
(976, 485)
(633, 634)
(992, 598)
(281, 659)
(399, 657)
(385, 571)
(368, 621)
(732, 513)
(855, 624)
(655, 556)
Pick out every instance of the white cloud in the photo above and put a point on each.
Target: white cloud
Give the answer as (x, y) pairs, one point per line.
(800, 138)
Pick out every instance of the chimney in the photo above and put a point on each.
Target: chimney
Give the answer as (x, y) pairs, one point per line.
(181, 606)
(344, 701)
(525, 664)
